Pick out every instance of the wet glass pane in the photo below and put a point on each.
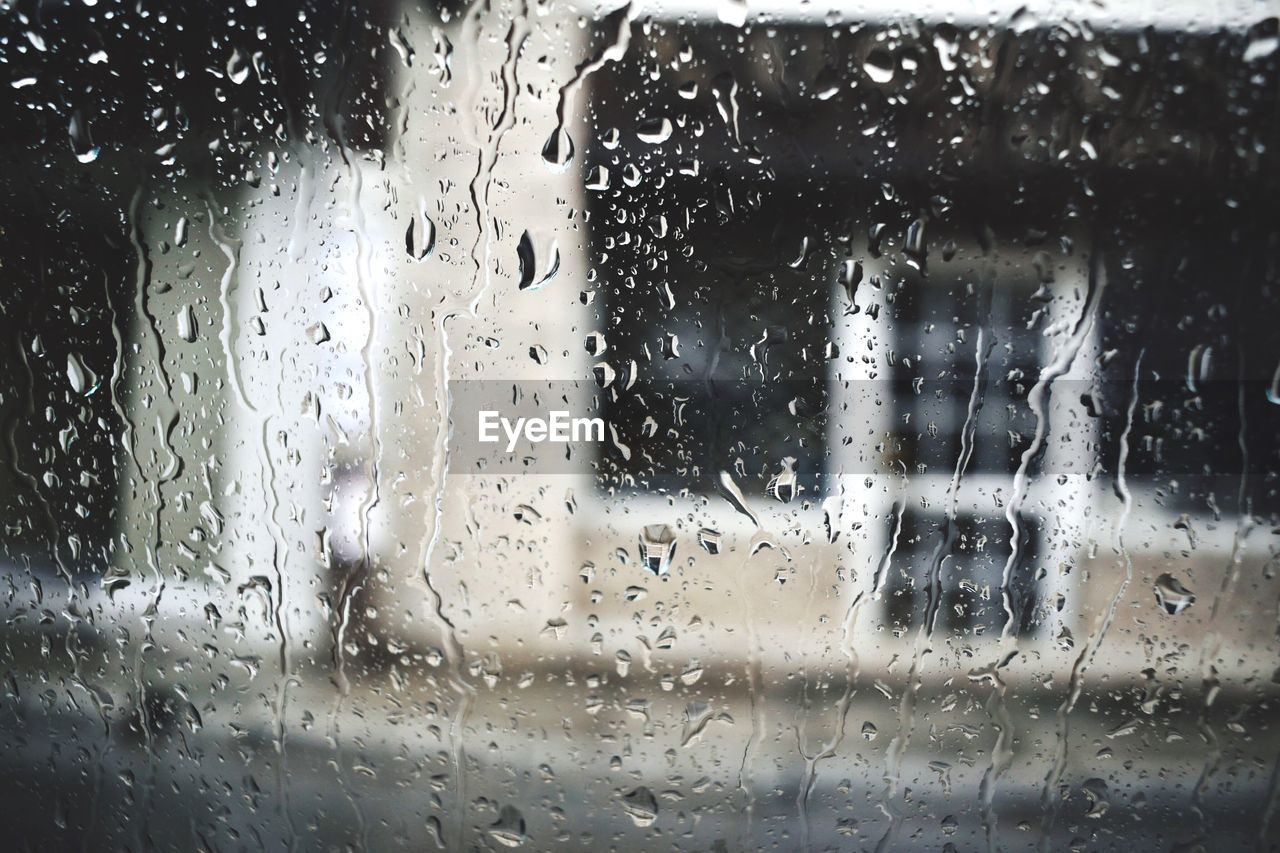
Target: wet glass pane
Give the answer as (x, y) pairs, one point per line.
(709, 425)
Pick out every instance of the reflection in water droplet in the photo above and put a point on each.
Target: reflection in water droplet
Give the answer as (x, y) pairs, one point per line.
(1172, 595)
(657, 547)
(654, 131)
(528, 265)
(81, 141)
(237, 67)
(696, 716)
(1261, 47)
(783, 486)
(187, 329)
(529, 278)
(735, 496)
(420, 236)
(732, 12)
(318, 333)
(641, 806)
(82, 379)
(509, 829)
(879, 65)
(599, 180)
(558, 149)
(604, 374)
(826, 84)
(1095, 790)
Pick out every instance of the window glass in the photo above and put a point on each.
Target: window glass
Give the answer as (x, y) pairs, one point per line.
(698, 425)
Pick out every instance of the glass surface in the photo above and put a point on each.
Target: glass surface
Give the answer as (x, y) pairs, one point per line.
(900, 447)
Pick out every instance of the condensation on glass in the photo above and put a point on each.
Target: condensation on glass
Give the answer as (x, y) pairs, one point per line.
(933, 351)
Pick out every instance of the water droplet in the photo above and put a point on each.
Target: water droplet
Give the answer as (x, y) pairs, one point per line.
(82, 379)
(604, 374)
(657, 547)
(1095, 790)
(832, 507)
(237, 67)
(1261, 48)
(318, 333)
(1172, 595)
(696, 716)
(654, 131)
(420, 236)
(558, 150)
(116, 579)
(850, 277)
(599, 180)
(509, 829)
(826, 84)
(529, 278)
(641, 806)
(1199, 365)
(732, 12)
(734, 494)
(709, 540)
(187, 328)
(783, 485)
(81, 140)
(879, 65)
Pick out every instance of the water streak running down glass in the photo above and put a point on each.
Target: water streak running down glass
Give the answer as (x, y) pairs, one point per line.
(706, 425)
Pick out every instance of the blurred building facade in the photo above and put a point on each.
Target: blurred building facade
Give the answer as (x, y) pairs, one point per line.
(998, 296)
